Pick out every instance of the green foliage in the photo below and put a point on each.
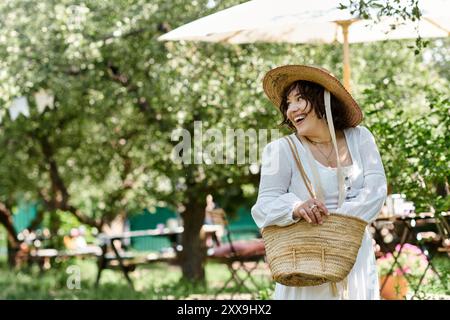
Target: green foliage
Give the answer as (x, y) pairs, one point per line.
(119, 93)
(376, 10)
(60, 225)
(435, 285)
(103, 64)
(152, 282)
(408, 112)
(370, 9)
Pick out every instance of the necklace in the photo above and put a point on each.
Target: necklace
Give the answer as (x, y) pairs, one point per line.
(315, 142)
(323, 154)
(327, 157)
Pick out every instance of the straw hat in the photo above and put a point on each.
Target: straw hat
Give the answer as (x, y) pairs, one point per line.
(277, 80)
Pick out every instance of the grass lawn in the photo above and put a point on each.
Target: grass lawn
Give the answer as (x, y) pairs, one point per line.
(157, 281)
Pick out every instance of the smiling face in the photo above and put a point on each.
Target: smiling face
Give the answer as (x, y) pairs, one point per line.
(301, 114)
(303, 109)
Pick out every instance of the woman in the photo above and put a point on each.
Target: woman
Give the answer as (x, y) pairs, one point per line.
(355, 185)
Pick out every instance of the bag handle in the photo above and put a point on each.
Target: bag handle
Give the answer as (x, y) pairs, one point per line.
(313, 166)
(300, 168)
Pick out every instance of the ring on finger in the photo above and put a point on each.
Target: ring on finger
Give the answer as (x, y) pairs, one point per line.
(304, 214)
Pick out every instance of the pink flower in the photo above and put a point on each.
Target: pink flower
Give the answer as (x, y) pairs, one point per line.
(410, 261)
(407, 247)
(388, 256)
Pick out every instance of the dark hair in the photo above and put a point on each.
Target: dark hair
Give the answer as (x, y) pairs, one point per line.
(313, 94)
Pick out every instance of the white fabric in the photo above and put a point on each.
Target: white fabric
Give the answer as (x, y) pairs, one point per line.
(44, 99)
(305, 21)
(281, 188)
(19, 106)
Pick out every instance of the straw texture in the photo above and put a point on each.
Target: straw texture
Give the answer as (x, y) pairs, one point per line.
(304, 254)
(278, 79)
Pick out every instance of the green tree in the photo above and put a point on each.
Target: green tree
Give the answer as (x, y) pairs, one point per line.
(93, 155)
(105, 149)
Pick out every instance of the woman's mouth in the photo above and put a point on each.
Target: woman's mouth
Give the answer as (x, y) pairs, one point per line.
(299, 119)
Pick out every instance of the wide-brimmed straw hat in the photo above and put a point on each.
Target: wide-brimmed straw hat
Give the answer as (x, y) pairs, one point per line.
(277, 80)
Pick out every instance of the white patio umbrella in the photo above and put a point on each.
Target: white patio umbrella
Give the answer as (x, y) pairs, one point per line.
(304, 21)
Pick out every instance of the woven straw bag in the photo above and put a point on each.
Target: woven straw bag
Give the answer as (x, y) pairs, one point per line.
(304, 254)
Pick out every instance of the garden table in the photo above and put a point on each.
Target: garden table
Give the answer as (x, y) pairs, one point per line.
(411, 233)
(127, 260)
(117, 242)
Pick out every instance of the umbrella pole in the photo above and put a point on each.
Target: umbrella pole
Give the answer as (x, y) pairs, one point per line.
(345, 24)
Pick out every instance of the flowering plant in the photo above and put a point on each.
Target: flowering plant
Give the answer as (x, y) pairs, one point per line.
(411, 261)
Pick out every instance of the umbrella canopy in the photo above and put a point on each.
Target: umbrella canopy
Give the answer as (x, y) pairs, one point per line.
(303, 21)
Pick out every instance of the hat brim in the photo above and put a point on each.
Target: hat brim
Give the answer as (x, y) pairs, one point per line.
(277, 80)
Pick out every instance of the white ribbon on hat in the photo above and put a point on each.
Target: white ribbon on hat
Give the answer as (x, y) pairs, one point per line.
(340, 176)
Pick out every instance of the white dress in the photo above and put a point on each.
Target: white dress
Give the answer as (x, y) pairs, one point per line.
(281, 188)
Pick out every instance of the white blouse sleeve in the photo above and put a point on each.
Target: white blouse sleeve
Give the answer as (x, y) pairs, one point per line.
(370, 199)
(275, 204)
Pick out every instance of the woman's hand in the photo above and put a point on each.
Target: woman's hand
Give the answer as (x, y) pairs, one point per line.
(311, 210)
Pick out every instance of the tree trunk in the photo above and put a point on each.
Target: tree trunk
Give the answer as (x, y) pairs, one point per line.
(12, 254)
(54, 226)
(194, 250)
(442, 188)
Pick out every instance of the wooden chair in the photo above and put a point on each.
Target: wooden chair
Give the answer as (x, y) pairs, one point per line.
(237, 255)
